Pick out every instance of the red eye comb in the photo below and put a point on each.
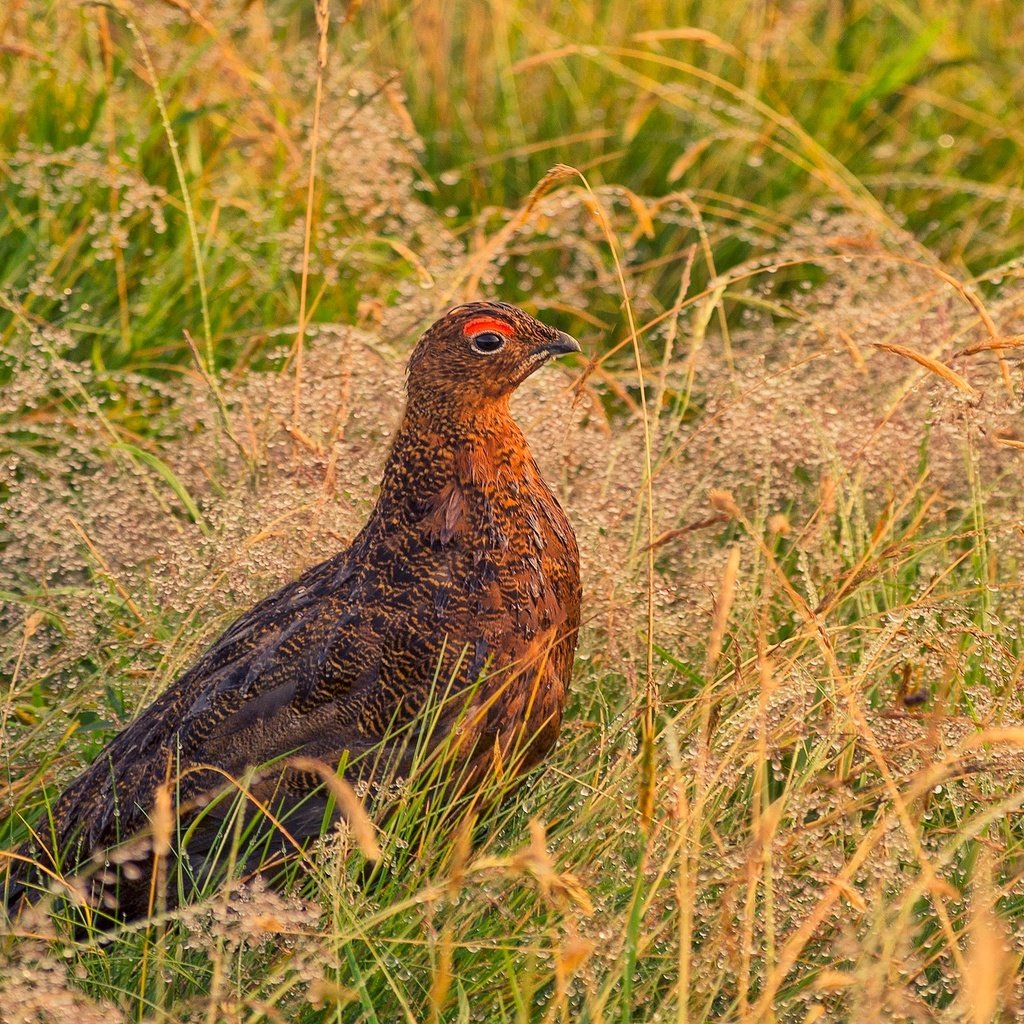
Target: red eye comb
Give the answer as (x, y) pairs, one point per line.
(487, 323)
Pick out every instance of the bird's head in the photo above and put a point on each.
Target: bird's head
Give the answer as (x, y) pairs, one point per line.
(482, 351)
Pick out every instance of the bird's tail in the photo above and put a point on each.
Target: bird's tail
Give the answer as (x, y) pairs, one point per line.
(22, 884)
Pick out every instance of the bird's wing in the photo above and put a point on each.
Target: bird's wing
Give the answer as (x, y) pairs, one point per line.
(259, 666)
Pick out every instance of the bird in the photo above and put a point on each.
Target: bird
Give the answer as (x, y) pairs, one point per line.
(464, 582)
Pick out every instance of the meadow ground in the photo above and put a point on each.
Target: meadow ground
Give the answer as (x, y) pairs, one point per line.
(788, 236)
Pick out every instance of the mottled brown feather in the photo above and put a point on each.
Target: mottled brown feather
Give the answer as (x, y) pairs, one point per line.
(466, 568)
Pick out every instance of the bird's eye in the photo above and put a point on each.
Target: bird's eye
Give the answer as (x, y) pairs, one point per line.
(487, 342)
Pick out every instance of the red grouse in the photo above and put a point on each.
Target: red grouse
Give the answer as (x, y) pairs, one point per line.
(463, 584)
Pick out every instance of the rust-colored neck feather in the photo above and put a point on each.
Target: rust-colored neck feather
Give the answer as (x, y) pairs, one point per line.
(477, 446)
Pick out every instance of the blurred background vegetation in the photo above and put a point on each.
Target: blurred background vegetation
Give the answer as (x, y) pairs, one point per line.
(718, 125)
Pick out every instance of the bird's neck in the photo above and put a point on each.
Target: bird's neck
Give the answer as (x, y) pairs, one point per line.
(476, 448)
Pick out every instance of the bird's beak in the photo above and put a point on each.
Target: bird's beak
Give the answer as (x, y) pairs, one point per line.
(562, 345)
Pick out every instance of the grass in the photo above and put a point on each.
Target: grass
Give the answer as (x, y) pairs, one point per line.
(790, 781)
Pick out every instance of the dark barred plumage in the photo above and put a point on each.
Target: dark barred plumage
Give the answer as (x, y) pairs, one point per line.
(467, 570)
